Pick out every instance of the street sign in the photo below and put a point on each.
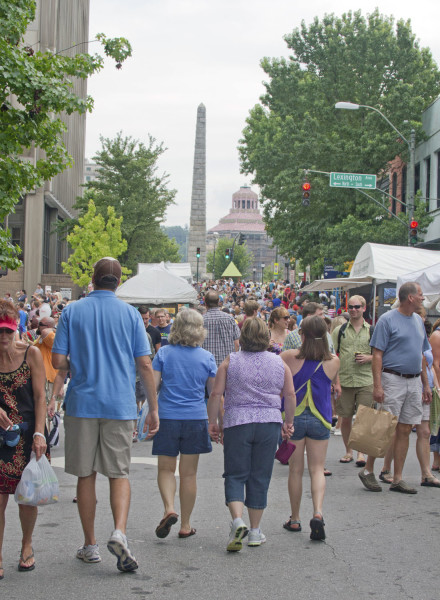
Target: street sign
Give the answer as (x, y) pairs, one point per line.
(353, 180)
(275, 268)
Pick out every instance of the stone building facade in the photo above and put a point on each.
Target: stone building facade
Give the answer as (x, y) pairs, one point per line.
(58, 25)
(245, 217)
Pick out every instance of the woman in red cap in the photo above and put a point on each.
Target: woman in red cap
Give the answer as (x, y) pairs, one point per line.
(22, 403)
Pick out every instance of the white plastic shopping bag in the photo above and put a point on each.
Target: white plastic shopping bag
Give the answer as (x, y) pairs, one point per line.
(38, 485)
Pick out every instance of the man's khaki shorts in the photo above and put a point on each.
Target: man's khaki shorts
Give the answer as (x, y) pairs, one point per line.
(98, 445)
(350, 399)
(403, 398)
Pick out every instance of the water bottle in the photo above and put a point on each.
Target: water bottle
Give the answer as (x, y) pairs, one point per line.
(13, 436)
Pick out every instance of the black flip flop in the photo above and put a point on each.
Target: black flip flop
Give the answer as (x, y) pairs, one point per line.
(187, 534)
(23, 568)
(164, 527)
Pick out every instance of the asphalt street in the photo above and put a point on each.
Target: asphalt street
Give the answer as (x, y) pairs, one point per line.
(379, 545)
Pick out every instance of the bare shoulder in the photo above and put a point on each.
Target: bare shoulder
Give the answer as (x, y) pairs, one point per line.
(331, 366)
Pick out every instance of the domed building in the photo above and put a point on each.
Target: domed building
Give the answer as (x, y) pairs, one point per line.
(245, 217)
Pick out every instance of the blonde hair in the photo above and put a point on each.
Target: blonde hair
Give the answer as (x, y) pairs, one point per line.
(187, 329)
(277, 314)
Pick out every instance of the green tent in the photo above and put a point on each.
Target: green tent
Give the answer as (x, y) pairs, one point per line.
(231, 271)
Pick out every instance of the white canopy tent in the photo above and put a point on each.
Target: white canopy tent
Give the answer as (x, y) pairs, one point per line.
(429, 279)
(156, 285)
(379, 263)
(180, 269)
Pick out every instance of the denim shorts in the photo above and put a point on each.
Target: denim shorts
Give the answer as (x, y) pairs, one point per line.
(181, 435)
(249, 452)
(307, 425)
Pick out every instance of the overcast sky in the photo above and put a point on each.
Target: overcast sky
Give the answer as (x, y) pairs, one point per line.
(190, 51)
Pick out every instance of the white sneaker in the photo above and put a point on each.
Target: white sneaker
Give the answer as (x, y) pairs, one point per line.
(256, 538)
(237, 533)
(118, 546)
(337, 432)
(89, 554)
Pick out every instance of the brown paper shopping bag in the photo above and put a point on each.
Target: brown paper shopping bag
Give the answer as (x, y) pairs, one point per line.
(372, 431)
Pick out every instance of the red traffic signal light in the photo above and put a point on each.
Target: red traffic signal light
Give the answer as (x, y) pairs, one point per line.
(306, 187)
(413, 232)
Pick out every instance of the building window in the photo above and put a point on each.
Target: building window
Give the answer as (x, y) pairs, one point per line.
(59, 256)
(428, 182)
(46, 239)
(403, 191)
(416, 178)
(248, 203)
(394, 194)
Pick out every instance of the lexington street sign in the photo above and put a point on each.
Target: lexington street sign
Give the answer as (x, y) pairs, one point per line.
(353, 180)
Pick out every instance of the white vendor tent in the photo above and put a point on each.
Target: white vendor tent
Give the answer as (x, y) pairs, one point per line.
(429, 279)
(379, 263)
(156, 285)
(382, 262)
(180, 269)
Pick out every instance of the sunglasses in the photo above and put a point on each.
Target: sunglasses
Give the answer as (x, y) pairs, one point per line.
(6, 330)
(354, 306)
(285, 317)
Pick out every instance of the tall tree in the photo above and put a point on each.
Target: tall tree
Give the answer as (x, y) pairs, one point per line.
(128, 181)
(242, 258)
(35, 88)
(366, 60)
(93, 238)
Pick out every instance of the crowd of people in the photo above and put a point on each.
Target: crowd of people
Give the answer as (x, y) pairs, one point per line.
(250, 366)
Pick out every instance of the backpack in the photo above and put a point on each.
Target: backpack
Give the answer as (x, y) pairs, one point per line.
(342, 333)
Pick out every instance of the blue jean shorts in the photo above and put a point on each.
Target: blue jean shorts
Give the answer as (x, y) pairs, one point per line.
(182, 436)
(307, 425)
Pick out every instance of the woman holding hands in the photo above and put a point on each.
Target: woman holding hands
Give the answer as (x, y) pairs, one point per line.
(252, 382)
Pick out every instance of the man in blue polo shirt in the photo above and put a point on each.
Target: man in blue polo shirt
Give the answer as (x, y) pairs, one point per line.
(99, 339)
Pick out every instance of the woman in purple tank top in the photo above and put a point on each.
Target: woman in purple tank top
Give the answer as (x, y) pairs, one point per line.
(313, 369)
(252, 382)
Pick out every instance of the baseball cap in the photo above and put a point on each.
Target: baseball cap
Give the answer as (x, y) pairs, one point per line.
(8, 324)
(107, 271)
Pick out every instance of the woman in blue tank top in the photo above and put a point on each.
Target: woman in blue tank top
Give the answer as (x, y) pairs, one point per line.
(313, 368)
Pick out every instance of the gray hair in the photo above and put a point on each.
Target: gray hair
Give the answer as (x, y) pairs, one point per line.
(407, 289)
(187, 329)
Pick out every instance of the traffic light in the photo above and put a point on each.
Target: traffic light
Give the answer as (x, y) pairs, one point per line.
(241, 239)
(413, 232)
(227, 253)
(306, 193)
(198, 252)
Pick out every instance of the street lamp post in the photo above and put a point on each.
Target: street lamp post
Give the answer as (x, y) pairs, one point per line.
(262, 273)
(412, 154)
(213, 256)
(254, 270)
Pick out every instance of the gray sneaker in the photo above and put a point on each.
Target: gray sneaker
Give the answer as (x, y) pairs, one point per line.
(89, 554)
(118, 546)
(237, 533)
(256, 538)
(369, 481)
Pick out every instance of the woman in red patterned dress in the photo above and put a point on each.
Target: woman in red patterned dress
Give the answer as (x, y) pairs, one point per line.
(22, 402)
